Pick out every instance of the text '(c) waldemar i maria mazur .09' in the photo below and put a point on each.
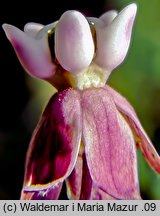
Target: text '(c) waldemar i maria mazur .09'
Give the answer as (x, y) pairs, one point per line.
(84, 206)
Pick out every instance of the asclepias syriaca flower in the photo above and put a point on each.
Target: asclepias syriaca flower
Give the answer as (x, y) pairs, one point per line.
(88, 133)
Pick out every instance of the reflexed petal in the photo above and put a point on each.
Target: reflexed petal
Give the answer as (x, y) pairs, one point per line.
(55, 143)
(74, 45)
(143, 140)
(113, 40)
(109, 146)
(48, 194)
(33, 54)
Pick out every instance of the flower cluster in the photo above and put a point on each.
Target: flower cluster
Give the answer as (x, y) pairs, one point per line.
(88, 133)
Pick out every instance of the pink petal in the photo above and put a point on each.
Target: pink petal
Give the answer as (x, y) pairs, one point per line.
(90, 191)
(109, 146)
(143, 140)
(55, 143)
(98, 194)
(48, 194)
(80, 185)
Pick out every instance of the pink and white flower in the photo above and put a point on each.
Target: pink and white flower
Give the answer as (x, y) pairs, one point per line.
(88, 133)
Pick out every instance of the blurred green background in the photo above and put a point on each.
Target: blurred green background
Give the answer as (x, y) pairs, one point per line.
(138, 79)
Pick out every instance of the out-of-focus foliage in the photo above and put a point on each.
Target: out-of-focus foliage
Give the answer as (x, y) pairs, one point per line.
(138, 79)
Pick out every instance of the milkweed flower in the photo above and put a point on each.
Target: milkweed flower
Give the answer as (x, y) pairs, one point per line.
(88, 133)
